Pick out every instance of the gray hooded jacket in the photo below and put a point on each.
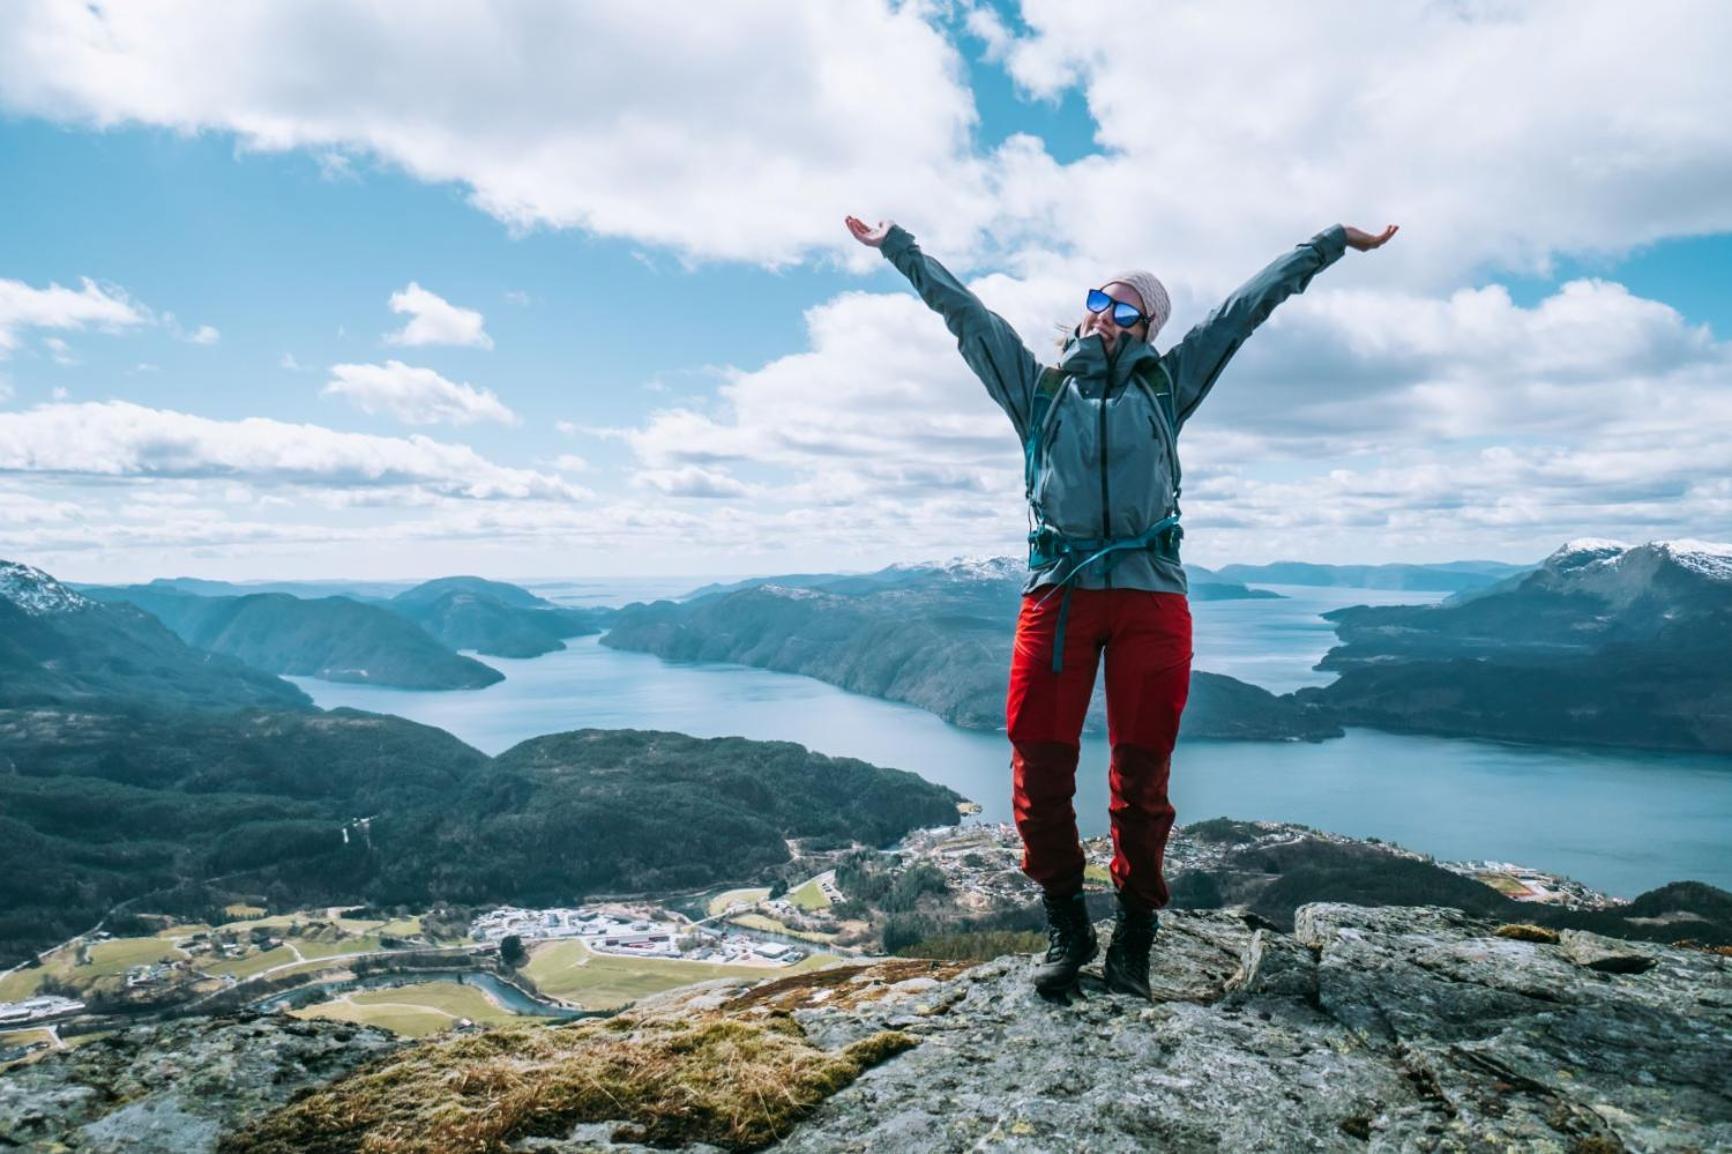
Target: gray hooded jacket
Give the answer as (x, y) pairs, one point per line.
(1108, 451)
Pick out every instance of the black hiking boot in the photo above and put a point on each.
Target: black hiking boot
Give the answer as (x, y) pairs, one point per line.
(1126, 970)
(1071, 945)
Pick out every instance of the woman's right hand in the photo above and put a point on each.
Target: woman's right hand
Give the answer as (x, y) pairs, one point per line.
(867, 235)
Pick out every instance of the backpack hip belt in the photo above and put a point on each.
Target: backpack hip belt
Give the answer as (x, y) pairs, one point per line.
(1048, 547)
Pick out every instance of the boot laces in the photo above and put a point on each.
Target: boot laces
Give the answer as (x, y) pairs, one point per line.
(1065, 928)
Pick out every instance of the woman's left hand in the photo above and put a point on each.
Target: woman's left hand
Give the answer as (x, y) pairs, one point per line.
(1362, 240)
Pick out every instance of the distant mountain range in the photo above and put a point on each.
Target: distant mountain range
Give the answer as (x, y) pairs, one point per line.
(1447, 577)
(337, 587)
(407, 641)
(332, 638)
(59, 647)
(937, 637)
(493, 617)
(1205, 585)
(1604, 643)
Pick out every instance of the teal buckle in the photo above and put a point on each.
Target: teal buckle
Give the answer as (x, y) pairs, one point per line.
(1047, 546)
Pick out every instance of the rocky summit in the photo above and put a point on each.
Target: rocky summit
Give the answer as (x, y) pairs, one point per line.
(1394, 1028)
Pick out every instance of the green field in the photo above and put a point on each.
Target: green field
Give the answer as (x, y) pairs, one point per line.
(771, 926)
(181, 932)
(15, 987)
(751, 896)
(414, 1011)
(114, 957)
(571, 970)
(107, 960)
(810, 896)
(253, 963)
(26, 1036)
(311, 949)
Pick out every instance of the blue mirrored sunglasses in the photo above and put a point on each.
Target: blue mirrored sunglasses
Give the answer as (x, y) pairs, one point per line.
(1124, 315)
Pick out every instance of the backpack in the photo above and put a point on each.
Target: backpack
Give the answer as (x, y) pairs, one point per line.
(1048, 547)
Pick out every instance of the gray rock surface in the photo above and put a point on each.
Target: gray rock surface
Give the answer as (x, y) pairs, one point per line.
(174, 1089)
(1386, 1029)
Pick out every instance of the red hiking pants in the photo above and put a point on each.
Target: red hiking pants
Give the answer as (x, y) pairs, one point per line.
(1147, 638)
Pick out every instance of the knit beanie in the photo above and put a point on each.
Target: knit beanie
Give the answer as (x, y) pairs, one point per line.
(1156, 306)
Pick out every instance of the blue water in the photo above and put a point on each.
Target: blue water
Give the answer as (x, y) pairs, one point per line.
(1622, 821)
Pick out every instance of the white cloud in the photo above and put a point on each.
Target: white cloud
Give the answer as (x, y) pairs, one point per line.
(570, 463)
(1494, 133)
(710, 130)
(1337, 366)
(288, 361)
(415, 396)
(1363, 417)
(59, 350)
(202, 335)
(1402, 403)
(335, 167)
(692, 481)
(986, 24)
(93, 306)
(118, 439)
(435, 321)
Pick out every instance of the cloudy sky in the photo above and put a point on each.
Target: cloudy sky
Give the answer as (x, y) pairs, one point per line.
(303, 288)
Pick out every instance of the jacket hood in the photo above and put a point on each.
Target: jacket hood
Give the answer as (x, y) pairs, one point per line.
(1087, 357)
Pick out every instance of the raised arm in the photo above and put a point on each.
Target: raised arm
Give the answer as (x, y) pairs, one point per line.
(1198, 359)
(991, 347)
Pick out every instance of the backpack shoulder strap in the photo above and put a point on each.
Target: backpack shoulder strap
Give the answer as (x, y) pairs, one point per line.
(1045, 389)
(1159, 384)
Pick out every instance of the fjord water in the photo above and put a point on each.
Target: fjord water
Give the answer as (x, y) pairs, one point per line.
(1622, 821)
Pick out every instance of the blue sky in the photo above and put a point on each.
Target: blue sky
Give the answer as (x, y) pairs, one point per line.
(688, 368)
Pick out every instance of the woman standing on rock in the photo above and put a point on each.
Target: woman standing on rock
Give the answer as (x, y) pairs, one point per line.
(1100, 438)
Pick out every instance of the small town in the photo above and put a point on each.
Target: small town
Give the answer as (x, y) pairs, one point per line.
(1531, 885)
(642, 931)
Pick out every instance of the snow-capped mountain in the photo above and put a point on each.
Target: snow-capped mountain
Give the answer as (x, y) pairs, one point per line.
(1605, 642)
(968, 568)
(1685, 573)
(36, 593)
(1707, 558)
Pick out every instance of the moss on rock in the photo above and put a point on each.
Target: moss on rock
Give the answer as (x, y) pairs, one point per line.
(735, 1084)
